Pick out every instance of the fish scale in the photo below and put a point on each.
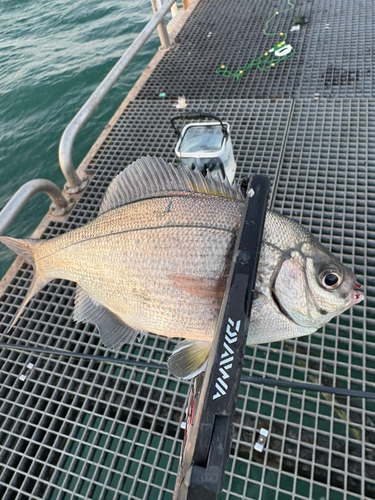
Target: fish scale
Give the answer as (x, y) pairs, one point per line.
(127, 256)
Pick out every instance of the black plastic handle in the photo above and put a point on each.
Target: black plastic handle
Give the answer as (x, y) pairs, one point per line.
(196, 115)
(209, 425)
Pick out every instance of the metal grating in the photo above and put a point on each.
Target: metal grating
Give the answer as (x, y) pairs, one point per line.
(78, 429)
(334, 56)
(258, 131)
(322, 447)
(339, 59)
(230, 33)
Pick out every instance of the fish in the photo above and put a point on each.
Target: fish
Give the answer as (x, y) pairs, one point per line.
(157, 257)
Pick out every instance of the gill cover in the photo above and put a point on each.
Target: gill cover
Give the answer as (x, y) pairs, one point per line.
(301, 290)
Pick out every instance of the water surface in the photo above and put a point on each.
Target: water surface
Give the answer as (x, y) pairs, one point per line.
(53, 55)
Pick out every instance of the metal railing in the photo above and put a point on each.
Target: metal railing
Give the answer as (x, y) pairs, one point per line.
(74, 182)
(62, 204)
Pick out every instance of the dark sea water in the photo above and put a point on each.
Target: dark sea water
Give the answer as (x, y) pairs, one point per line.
(52, 57)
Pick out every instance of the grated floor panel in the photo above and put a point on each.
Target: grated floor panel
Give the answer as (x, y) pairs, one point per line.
(83, 429)
(334, 56)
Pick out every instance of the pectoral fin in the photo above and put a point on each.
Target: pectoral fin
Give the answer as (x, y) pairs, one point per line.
(189, 358)
(113, 331)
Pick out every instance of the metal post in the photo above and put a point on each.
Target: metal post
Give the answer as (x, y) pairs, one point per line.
(186, 3)
(60, 205)
(162, 28)
(174, 10)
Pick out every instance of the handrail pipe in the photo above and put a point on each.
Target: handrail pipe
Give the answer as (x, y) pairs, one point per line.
(74, 182)
(162, 27)
(60, 204)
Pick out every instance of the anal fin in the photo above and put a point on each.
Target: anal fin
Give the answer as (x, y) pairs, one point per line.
(113, 331)
(189, 358)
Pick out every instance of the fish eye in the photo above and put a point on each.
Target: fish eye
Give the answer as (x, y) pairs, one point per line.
(330, 280)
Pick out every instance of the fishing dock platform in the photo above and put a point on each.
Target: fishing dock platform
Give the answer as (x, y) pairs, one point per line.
(79, 428)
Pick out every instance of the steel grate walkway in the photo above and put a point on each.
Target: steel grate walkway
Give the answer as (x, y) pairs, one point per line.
(334, 51)
(81, 429)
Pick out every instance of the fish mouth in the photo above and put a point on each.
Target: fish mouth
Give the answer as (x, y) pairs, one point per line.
(356, 295)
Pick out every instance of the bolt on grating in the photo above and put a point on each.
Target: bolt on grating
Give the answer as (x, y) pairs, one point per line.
(334, 56)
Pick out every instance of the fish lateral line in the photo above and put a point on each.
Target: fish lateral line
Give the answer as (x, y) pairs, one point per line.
(209, 228)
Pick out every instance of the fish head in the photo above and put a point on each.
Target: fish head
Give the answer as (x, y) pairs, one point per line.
(311, 286)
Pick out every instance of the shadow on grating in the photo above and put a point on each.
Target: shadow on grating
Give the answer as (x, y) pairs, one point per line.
(78, 429)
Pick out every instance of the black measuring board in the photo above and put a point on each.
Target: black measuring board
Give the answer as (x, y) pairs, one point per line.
(213, 399)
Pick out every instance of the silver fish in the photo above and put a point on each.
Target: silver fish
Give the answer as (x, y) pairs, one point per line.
(157, 257)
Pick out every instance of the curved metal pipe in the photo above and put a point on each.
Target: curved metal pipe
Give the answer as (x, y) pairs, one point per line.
(74, 183)
(60, 204)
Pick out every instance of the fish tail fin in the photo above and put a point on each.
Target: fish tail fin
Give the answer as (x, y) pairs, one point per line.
(36, 285)
(26, 250)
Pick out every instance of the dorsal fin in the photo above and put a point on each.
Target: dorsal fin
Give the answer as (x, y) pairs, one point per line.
(150, 177)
